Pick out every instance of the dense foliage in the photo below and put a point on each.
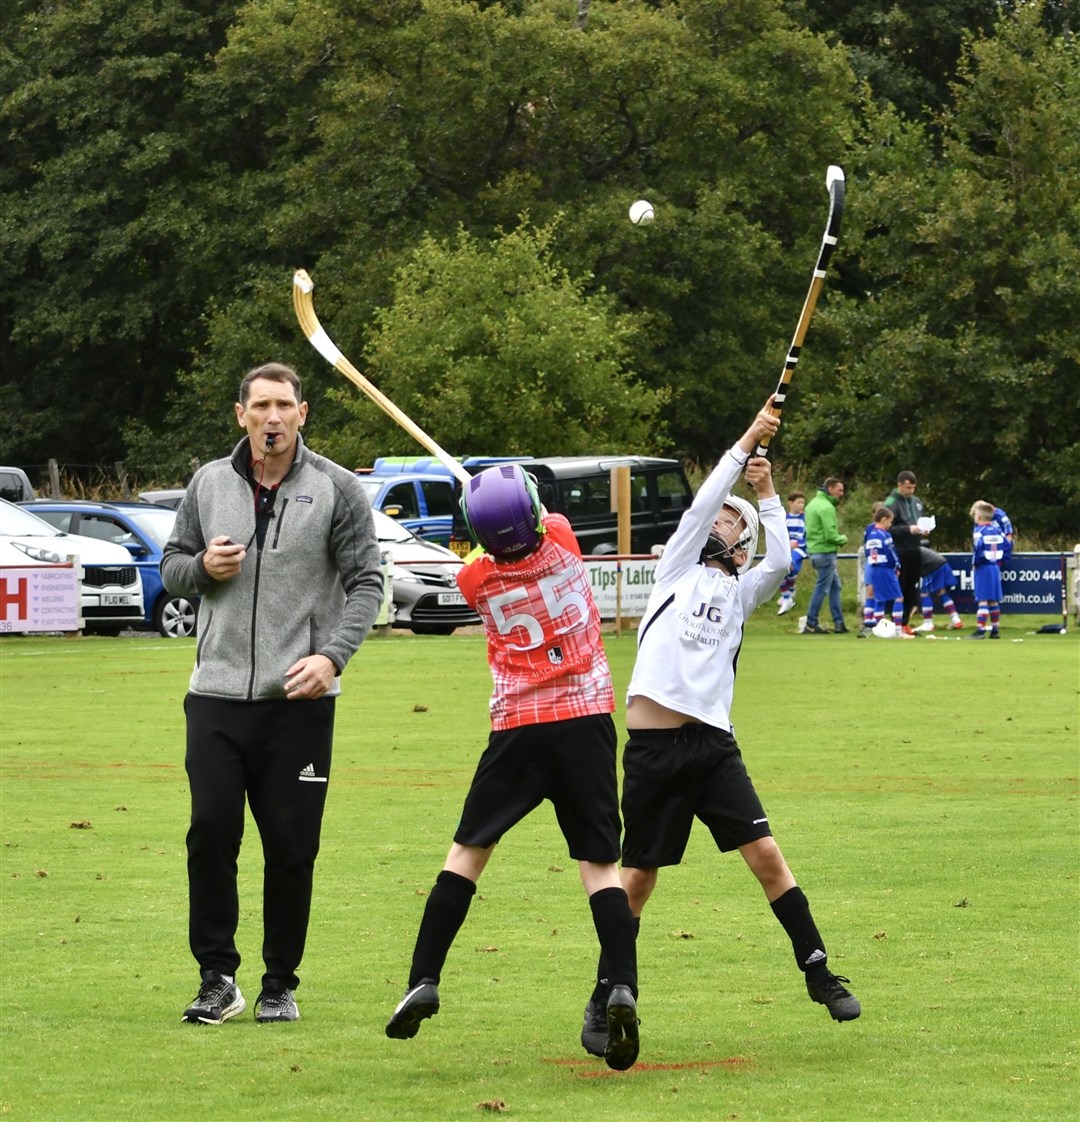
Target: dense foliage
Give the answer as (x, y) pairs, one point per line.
(455, 177)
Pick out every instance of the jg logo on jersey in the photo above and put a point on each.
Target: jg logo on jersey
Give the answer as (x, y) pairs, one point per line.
(704, 625)
(555, 656)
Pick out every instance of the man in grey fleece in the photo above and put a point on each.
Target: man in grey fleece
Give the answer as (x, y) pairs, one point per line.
(280, 544)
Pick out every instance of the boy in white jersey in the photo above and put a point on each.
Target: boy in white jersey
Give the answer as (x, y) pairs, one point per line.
(681, 759)
(552, 737)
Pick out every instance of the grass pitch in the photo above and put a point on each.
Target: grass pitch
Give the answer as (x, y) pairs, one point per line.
(923, 792)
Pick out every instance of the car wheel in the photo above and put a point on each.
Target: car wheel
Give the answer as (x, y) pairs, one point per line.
(175, 617)
(432, 628)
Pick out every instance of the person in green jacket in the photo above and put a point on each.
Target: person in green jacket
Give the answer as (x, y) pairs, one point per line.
(823, 540)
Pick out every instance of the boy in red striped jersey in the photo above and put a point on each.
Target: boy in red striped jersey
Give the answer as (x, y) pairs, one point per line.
(552, 737)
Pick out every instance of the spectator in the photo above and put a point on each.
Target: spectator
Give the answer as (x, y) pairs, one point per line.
(796, 530)
(937, 583)
(987, 554)
(823, 542)
(1004, 523)
(882, 566)
(907, 537)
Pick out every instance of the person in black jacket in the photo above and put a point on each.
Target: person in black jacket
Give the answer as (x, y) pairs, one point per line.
(907, 536)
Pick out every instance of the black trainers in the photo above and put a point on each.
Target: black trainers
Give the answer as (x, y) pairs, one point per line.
(216, 1001)
(827, 989)
(814, 629)
(622, 1026)
(841, 629)
(276, 1005)
(421, 1002)
(594, 1032)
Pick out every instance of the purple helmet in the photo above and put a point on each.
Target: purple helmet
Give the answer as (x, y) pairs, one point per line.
(502, 511)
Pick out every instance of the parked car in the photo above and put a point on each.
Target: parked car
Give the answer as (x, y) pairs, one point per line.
(421, 502)
(15, 485)
(142, 529)
(580, 488)
(112, 595)
(170, 497)
(426, 596)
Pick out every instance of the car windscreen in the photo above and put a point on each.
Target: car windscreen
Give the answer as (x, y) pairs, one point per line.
(157, 525)
(387, 530)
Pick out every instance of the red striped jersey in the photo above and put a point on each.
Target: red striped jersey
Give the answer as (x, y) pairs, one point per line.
(543, 632)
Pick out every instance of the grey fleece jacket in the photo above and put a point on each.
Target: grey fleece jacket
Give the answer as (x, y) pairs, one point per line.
(315, 588)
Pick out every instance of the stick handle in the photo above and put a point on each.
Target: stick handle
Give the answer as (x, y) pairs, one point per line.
(835, 184)
(318, 338)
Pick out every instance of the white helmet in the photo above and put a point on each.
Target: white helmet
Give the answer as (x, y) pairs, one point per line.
(736, 527)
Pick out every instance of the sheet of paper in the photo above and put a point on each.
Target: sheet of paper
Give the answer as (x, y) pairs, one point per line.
(927, 524)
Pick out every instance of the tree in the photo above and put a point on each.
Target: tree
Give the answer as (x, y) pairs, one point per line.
(492, 347)
(960, 357)
(97, 228)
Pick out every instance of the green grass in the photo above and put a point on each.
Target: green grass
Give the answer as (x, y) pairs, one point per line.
(923, 792)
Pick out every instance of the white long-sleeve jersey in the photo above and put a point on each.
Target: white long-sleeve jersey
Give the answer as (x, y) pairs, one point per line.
(688, 642)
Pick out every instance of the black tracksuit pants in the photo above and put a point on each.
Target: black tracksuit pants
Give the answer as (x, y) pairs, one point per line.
(276, 754)
(910, 582)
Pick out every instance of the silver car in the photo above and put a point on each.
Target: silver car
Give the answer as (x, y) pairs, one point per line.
(426, 596)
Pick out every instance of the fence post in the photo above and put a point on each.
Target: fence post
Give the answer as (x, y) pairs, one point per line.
(54, 478)
(121, 475)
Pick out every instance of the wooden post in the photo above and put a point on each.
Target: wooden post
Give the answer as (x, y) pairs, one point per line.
(620, 504)
(54, 479)
(121, 475)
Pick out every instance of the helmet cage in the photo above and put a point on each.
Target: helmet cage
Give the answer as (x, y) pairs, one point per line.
(735, 528)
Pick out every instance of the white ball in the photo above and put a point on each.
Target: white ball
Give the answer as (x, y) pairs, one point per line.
(642, 213)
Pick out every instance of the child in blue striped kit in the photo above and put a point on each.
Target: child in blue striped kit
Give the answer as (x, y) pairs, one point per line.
(989, 549)
(796, 531)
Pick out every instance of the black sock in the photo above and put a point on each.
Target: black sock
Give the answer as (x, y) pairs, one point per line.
(444, 913)
(603, 985)
(793, 912)
(617, 930)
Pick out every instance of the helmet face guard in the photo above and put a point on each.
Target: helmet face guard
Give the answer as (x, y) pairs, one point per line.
(502, 510)
(735, 528)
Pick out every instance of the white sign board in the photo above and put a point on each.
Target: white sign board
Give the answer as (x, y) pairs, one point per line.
(631, 592)
(41, 598)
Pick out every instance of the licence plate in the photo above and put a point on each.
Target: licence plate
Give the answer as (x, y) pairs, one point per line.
(115, 600)
(451, 599)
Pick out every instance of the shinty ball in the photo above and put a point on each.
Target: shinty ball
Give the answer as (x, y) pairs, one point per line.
(642, 213)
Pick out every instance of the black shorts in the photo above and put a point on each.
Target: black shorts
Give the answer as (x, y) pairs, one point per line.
(572, 763)
(672, 775)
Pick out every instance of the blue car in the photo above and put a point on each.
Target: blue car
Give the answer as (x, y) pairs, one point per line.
(143, 528)
(422, 502)
(418, 492)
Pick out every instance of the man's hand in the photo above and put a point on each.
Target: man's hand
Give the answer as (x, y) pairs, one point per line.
(309, 677)
(759, 476)
(223, 558)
